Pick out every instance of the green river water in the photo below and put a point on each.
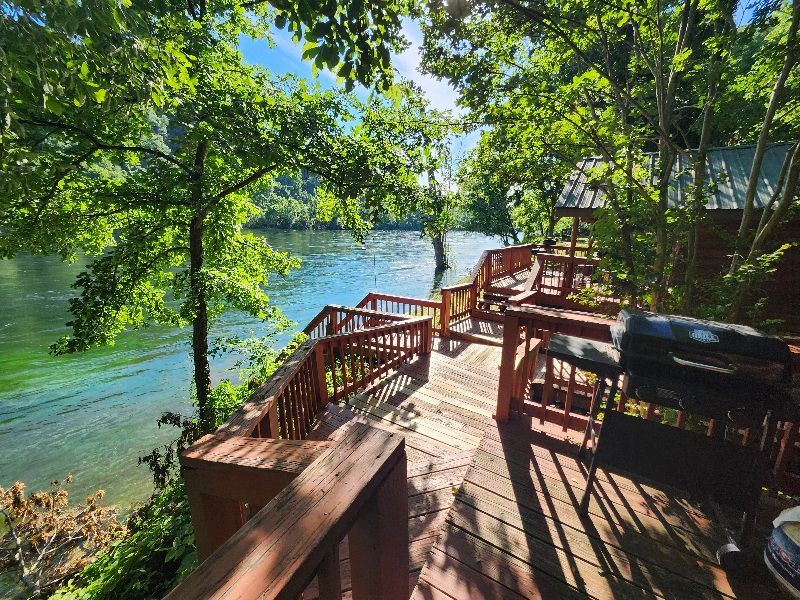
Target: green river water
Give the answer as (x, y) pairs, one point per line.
(94, 414)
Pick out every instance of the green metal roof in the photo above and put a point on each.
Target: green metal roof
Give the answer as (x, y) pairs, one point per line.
(727, 167)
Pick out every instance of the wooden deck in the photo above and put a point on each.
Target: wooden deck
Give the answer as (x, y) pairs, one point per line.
(493, 508)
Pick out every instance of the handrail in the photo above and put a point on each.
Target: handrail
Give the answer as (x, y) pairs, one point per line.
(335, 318)
(286, 407)
(405, 305)
(525, 332)
(458, 301)
(355, 488)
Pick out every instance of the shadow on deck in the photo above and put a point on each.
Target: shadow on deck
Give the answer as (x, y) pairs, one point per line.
(493, 508)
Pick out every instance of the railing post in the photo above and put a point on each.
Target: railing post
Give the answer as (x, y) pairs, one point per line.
(507, 364)
(215, 519)
(320, 381)
(444, 318)
(379, 557)
(427, 329)
(473, 297)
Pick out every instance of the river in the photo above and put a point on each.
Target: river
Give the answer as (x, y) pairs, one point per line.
(93, 414)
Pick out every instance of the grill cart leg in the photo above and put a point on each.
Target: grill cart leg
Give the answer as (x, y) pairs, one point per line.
(729, 556)
(732, 556)
(587, 494)
(597, 400)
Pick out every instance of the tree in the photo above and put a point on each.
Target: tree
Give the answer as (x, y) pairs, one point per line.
(428, 133)
(635, 85)
(159, 187)
(509, 186)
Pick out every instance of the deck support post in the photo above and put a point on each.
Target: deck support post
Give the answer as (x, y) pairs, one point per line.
(215, 519)
(379, 557)
(444, 319)
(427, 333)
(507, 364)
(320, 381)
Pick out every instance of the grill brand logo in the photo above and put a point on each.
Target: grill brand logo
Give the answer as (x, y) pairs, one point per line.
(704, 335)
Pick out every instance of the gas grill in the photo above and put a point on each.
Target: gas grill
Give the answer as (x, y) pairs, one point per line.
(706, 368)
(729, 373)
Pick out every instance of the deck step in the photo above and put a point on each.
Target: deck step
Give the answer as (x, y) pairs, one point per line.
(475, 338)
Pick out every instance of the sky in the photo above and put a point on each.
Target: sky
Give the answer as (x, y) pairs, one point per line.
(285, 57)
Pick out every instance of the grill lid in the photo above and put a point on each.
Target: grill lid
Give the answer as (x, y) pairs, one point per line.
(647, 334)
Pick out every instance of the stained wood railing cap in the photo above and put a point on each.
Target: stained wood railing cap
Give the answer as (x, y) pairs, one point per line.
(220, 452)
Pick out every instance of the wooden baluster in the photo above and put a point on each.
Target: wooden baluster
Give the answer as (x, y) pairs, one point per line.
(297, 415)
(447, 299)
(332, 355)
(320, 382)
(352, 360)
(334, 322)
(291, 410)
(363, 354)
(282, 419)
(311, 393)
(371, 357)
(547, 389)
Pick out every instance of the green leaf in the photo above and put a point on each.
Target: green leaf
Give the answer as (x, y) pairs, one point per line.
(54, 106)
(99, 95)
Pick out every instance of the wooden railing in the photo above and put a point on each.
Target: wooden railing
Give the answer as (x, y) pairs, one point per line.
(403, 305)
(565, 250)
(233, 476)
(458, 301)
(335, 319)
(355, 488)
(564, 392)
(355, 360)
(525, 333)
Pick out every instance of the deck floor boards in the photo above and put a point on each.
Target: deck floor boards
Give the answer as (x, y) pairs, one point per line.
(493, 509)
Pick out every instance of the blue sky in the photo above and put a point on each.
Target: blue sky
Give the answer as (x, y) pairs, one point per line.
(286, 57)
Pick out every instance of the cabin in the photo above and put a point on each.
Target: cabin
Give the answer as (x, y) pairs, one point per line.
(729, 170)
(417, 448)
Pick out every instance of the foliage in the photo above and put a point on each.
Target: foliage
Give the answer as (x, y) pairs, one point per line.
(635, 86)
(159, 550)
(45, 540)
(159, 188)
(156, 554)
(291, 202)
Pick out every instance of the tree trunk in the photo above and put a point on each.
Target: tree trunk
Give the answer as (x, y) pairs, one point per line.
(202, 371)
(440, 251)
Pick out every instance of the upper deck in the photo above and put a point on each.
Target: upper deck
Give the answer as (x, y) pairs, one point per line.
(401, 482)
